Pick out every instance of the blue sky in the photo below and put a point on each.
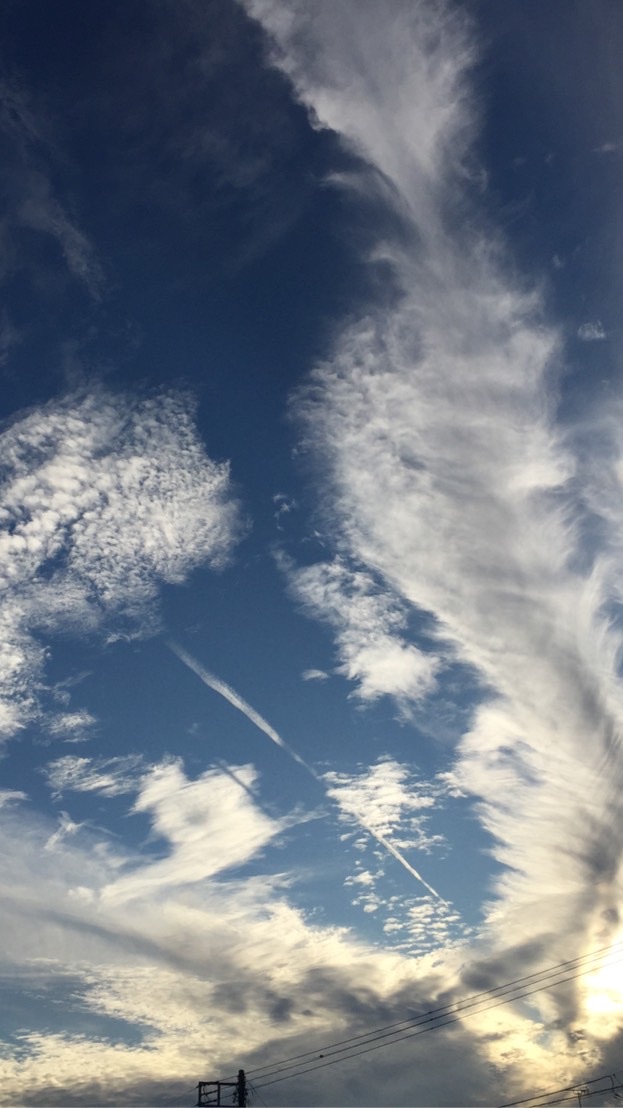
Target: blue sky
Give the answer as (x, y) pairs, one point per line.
(312, 534)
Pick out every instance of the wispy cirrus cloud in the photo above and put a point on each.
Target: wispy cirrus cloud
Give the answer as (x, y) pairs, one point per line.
(108, 776)
(314, 675)
(592, 331)
(449, 479)
(73, 727)
(103, 498)
(407, 115)
(11, 796)
(32, 201)
(192, 816)
(66, 827)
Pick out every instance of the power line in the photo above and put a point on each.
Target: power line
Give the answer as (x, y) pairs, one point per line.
(579, 1095)
(431, 1014)
(256, 1092)
(374, 1043)
(447, 1016)
(579, 1088)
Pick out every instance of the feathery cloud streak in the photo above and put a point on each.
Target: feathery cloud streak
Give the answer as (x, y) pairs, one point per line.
(448, 477)
(30, 199)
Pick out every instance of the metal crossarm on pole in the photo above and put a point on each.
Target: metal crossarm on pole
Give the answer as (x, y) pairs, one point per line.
(206, 1090)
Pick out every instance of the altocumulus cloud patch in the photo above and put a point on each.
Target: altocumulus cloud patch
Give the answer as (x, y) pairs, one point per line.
(104, 498)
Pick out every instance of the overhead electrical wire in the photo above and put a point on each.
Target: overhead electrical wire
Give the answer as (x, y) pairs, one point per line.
(580, 1096)
(256, 1092)
(580, 1089)
(475, 1004)
(518, 981)
(373, 1044)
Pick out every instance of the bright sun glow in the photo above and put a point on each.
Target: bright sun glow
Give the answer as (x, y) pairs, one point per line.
(603, 990)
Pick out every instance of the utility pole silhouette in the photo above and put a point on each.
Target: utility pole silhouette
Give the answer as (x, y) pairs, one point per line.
(207, 1090)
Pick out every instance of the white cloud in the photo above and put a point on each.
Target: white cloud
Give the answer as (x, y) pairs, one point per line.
(166, 944)
(40, 210)
(592, 332)
(394, 802)
(314, 675)
(72, 726)
(391, 799)
(181, 958)
(66, 826)
(238, 702)
(422, 924)
(465, 517)
(403, 108)
(10, 796)
(108, 776)
(368, 623)
(283, 506)
(103, 498)
(194, 818)
(449, 483)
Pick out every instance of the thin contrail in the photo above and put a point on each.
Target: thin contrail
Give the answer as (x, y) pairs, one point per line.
(213, 682)
(389, 846)
(238, 702)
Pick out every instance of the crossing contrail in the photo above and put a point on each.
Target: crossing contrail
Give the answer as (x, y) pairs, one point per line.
(213, 682)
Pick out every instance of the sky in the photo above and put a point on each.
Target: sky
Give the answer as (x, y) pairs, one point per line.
(311, 456)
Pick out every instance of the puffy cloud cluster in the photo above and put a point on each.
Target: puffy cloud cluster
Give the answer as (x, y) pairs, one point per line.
(103, 498)
(390, 798)
(368, 623)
